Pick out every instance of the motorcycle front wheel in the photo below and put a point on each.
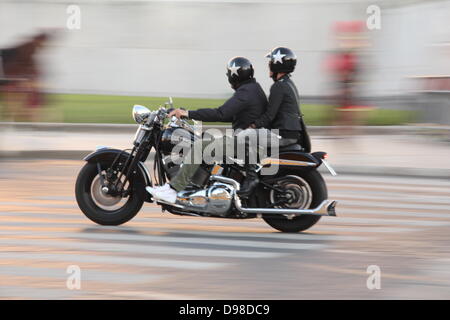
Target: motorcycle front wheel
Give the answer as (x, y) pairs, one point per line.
(100, 207)
(308, 190)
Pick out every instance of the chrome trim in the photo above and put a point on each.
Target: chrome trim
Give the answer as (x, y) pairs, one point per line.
(139, 135)
(140, 114)
(328, 166)
(293, 162)
(326, 208)
(176, 205)
(215, 199)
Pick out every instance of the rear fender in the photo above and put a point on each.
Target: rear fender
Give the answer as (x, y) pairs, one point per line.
(293, 160)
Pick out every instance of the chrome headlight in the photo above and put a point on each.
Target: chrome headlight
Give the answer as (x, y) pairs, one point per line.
(140, 114)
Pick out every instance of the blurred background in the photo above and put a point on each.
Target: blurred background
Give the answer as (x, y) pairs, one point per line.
(97, 54)
(374, 79)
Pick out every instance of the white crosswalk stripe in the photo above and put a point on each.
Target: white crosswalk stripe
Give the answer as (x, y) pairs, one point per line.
(42, 235)
(88, 274)
(147, 249)
(109, 259)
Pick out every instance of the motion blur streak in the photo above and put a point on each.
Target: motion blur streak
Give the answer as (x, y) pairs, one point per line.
(43, 232)
(377, 99)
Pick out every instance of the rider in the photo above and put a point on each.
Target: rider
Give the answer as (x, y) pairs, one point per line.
(246, 105)
(283, 111)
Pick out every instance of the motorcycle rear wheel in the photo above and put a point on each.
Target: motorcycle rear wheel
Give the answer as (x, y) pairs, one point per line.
(95, 205)
(319, 193)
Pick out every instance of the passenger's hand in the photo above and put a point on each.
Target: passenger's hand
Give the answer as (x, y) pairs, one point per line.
(179, 113)
(252, 126)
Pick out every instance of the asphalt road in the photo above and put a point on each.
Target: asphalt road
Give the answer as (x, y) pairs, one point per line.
(401, 225)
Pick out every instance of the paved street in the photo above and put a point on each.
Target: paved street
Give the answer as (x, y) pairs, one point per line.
(401, 225)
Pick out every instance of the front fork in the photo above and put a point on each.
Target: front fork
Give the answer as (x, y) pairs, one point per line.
(105, 189)
(129, 168)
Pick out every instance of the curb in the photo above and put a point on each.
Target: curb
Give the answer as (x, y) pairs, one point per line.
(341, 170)
(131, 128)
(44, 154)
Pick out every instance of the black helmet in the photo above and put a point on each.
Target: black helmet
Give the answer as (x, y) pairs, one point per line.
(239, 69)
(282, 60)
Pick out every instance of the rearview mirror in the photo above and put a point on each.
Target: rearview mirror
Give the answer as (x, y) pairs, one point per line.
(170, 103)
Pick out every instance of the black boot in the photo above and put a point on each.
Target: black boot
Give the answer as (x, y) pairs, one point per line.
(250, 182)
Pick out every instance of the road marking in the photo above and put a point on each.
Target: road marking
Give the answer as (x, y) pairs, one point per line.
(386, 188)
(389, 197)
(363, 229)
(135, 248)
(169, 228)
(407, 181)
(87, 274)
(54, 198)
(271, 235)
(73, 258)
(347, 220)
(197, 240)
(153, 295)
(149, 223)
(363, 212)
(20, 292)
(362, 272)
(373, 204)
(39, 215)
(38, 205)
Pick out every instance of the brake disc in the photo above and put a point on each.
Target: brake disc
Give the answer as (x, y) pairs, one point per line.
(296, 194)
(100, 196)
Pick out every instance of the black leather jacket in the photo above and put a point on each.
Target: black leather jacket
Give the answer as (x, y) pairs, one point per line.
(283, 110)
(246, 105)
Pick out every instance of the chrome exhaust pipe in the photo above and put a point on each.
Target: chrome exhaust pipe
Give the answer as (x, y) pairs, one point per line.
(326, 208)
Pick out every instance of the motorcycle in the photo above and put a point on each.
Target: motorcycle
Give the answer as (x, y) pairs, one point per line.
(111, 187)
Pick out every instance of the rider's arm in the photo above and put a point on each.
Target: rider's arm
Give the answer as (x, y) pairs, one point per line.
(224, 113)
(275, 100)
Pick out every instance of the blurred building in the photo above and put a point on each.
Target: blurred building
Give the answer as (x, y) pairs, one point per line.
(179, 48)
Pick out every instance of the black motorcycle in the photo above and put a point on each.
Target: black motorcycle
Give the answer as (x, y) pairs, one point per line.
(111, 187)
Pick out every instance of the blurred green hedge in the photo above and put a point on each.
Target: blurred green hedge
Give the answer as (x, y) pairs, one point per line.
(77, 108)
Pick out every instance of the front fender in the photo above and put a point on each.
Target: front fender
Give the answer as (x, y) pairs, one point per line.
(105, 154)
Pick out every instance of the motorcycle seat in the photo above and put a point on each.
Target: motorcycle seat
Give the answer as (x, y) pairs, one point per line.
(291, 147)
(283, 142)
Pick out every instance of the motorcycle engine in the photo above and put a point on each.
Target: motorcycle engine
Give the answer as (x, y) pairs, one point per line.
(215, 200)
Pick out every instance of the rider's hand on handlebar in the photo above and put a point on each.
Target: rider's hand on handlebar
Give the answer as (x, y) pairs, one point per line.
(179, 113)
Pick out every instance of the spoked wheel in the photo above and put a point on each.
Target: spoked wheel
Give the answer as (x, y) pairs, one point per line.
(297, 192)
(97, 204)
